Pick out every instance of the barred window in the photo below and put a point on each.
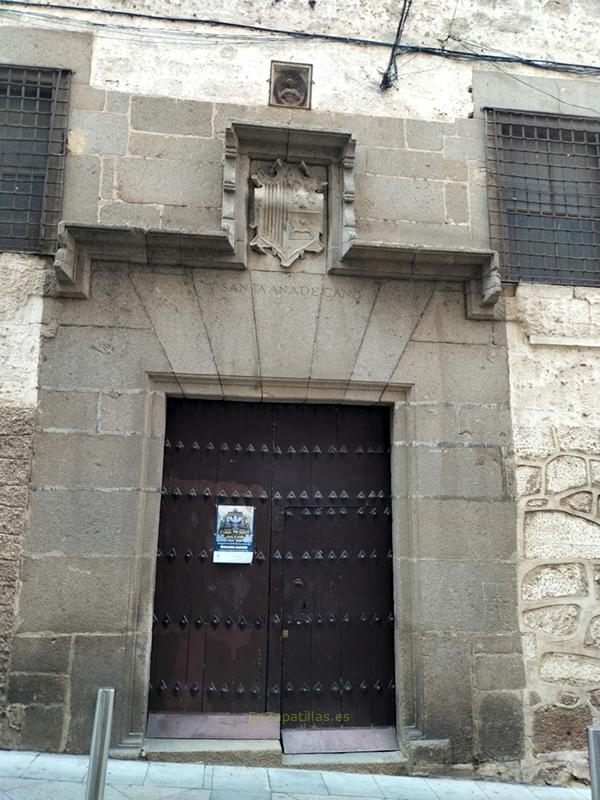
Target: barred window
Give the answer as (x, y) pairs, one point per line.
(544, 196)
(33, 124)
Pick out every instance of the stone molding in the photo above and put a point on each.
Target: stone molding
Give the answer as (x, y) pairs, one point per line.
(81, 244)
(562, 341)
(332, 149)
(226, 387)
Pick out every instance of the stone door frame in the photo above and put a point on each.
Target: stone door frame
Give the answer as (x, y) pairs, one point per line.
(142, 576)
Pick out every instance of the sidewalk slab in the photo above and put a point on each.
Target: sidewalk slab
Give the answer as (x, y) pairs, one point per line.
(179, 776)
(400, 788)
(352, 784)
(50, 766)
(130, 773)
(451, 789)
(240, 779)
(14, 763)
(298, 781)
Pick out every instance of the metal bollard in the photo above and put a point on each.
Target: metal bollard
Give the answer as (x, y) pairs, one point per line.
(100, 744)
(593, 736)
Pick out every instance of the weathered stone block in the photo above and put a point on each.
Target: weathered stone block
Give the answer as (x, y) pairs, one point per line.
(586, 440)
(41, 727)
(72, 459)
(99, 357)
(471, 149)
(85, 98)
(39, 688)
(13, 496)
(565, 472)
(114, 303)
(97, 133)
(75, 594)
(469, 596)
(68, 410)
(410, 164)
(160, 180)
(176, 148)
(81, 188)
(15, 447)
(579, 501)
(556, 728)
(139, 215)
(14, 471)
(483, 425)
(444, 320)
(97, 661)
(172, 306)
(457, 203)
(16, 421)
(117, 102)
(40, 653)
(528, 480)
(435, 423)
(423, 135)
(10, 545)
(466, 472)
(501, 732)
(192, 219)
(12, 520)
(555, 534)
(459, 373)
(592, 635)
(554, 580)
(413, 199)
(448, 701)
(554, 620)
(166, 115)
(570, 669)
(79, 522)
(123, 413)
(495, 672)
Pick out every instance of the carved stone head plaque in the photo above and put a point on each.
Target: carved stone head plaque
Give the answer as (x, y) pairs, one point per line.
(289, 209)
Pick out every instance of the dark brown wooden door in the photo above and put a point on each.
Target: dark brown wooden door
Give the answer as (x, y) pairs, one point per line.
(306, 630)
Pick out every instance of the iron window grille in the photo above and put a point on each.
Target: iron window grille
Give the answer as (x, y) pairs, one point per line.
(33, 126)
(544, 196)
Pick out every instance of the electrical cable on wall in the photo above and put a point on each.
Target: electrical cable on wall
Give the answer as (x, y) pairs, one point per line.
(391, 73)
(6, 7)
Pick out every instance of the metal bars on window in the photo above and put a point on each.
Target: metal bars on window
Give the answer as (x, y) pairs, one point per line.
(544, 196)
(33, 125)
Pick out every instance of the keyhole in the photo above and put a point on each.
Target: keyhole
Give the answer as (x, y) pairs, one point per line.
(304, 605)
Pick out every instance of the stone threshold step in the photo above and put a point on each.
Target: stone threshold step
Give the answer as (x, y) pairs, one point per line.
(386, 762)
(230, 752)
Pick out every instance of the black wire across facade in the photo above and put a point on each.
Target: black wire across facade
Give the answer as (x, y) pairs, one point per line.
(544, 196)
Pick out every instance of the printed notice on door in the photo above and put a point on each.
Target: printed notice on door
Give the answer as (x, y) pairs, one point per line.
(234, 535)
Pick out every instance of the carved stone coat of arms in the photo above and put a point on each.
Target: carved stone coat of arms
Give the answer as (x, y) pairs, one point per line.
(289, 209)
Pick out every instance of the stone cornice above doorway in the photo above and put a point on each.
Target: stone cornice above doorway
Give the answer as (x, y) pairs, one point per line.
(80, 245)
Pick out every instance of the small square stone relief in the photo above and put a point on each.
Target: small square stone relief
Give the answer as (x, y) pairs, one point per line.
(290, 85)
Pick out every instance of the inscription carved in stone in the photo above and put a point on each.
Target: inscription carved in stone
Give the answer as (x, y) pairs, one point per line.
(289, 209)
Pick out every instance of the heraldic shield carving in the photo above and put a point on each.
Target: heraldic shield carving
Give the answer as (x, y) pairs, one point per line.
(289, 208)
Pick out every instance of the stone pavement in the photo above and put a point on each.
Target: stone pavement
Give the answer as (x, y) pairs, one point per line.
(46, 776)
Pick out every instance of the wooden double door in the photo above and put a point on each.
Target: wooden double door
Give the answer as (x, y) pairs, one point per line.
(304, 633)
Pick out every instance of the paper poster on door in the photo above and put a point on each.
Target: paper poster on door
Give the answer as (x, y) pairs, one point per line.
(234, 535)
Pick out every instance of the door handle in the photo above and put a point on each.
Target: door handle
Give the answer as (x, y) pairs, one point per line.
(298, 582)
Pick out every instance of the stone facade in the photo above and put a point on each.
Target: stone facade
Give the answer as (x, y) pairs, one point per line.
(553, 339)
(496, 457)
(21, 287)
